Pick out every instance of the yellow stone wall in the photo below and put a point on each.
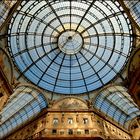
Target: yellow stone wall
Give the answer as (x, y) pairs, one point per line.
(136, 133)
(64, 119)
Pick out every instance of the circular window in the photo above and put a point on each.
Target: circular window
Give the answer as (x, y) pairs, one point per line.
(70, 47)
(70, 42)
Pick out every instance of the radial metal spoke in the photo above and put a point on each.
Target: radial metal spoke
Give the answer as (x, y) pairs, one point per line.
(101, 59)
(33, 47)
(70, 13)
(85, 14)
(58, 73)
(36, 62)
(56, 15)
(38, 19)
(93, 69)
(108, 34)
(111, 67)
(48, 68)
(26, 33)
(70, 73)
(82, 73)
(106, 47)
(101, 20)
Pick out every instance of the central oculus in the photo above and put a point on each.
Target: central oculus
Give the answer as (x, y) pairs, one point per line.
(70, 42)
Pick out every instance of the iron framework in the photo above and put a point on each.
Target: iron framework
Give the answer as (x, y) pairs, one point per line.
(37, 28)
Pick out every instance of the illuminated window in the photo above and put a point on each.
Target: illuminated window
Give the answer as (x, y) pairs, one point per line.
(70, 131)
(70, 120)
(78, 132)
(86, 131)
(85, 120)
(54, 131)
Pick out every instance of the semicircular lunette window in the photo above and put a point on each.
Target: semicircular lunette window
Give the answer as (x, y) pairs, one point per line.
(70, 47)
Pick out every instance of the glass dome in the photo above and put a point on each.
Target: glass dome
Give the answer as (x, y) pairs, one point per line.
(70, 47)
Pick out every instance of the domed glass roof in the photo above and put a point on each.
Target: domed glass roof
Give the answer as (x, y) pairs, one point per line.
(70, 47)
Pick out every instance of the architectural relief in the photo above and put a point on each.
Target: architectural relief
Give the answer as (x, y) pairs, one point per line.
(70, 104)
(6, 65)
(134, 81)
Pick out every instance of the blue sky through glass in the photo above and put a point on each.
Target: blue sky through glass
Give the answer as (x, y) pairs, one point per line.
(70, 47)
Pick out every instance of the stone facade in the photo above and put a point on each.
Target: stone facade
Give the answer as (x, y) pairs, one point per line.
(70, 118)
(5, 78)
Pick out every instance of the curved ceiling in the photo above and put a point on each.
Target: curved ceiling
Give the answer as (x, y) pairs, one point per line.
(134, 7)
(25, 104)
(70, 47)
(116, 103)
